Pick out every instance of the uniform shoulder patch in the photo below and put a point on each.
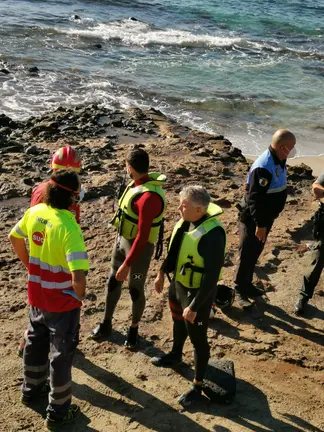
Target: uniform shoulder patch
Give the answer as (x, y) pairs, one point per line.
(263, 182)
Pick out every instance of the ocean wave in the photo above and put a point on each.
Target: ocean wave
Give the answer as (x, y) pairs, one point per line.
(278, 49)
(139, 33)
(129, 32)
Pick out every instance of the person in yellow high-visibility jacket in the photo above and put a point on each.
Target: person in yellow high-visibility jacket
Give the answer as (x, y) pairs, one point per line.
(195, 257)
(56, 263)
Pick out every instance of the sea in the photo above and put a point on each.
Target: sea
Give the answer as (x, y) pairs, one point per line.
(240, 68)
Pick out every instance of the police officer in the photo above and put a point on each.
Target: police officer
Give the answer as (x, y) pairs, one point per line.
(264, 200)
(138, 222)
(195, 257)
(312, 276)
(56, 264)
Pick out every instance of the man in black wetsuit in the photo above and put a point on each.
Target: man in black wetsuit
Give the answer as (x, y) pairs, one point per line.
(316, 265)
(195, 257)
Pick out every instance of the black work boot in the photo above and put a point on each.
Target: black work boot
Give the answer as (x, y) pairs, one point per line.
(300, 305)
(53, 423)
(254, 292)
(169, 359)
(131, 341)
(103, 330)
(243, 301)
(29, 399)
(191, 396)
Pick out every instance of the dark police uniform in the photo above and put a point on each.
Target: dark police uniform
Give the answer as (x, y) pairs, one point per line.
(265, 198)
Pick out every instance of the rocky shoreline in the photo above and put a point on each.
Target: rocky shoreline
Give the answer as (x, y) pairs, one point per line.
(26, 146)
(285, 350)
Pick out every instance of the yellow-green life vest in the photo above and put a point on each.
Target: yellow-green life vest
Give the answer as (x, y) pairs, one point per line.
(126, 220)
(189, 269)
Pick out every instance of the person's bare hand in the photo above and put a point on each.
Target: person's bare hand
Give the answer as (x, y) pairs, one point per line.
(189, 315)
(159, 282)
(261, 234)
(318, 191)
(122, 273)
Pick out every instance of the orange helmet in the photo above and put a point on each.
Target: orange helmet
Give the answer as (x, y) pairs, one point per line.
(66, 157)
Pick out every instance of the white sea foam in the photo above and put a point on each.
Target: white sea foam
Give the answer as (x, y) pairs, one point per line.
(142, 34)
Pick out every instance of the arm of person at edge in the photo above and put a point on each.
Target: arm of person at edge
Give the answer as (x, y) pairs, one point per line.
(212, 249)
(20, 249)
(79, 283)
(168, 266)
(159, 281)
(256, 199)
(318, 187)
(149, 205)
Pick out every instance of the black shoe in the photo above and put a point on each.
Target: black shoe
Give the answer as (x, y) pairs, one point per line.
(27, 400)
(131, 341)
(253, 292)
(53, 423)
(243, 301)
(103, 330)
(169, 359)
(300, 305)
(191, 396)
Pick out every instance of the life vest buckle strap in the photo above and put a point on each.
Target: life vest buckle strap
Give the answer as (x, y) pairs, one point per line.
(130, 218)
(193, 269)
(135, 221)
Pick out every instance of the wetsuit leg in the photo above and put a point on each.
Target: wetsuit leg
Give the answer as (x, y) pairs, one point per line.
(114, 286)
(315, 269)
(136, 281)
(198, 330)
(179, 327)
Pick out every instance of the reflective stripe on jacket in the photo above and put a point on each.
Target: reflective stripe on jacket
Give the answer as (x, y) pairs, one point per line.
(56, 248)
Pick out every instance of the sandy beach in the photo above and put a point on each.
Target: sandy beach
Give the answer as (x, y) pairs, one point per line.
(316, 163)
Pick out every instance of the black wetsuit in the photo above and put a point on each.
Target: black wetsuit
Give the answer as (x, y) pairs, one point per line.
(212, 248)
(315, 268)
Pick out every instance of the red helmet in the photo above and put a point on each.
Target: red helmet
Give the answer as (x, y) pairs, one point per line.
(66, 157)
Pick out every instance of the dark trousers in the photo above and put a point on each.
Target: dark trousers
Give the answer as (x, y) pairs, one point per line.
(56, 333)
(180, 298)
(250, 248)
(136, 280)
(313, 274)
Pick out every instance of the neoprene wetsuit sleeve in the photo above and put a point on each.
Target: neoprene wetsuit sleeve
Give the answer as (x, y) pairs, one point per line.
(212, 248)
(170, 261)
(257, 196)
(149, 205)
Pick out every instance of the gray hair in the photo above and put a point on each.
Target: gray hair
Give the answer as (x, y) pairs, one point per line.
(197, 195)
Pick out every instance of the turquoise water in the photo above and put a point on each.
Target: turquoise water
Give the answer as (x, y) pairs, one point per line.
(241, 68)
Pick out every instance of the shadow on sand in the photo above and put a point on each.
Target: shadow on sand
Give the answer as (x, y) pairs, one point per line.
(250, 410)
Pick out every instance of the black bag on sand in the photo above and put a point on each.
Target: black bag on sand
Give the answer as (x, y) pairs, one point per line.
(219, 383)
